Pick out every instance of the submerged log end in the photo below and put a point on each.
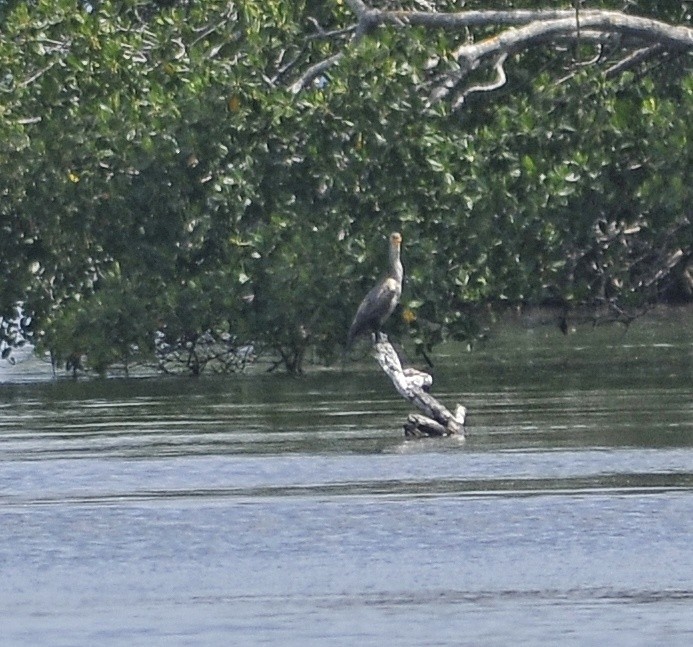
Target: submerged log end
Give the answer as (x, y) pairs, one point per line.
(460, 414)
(420, 426)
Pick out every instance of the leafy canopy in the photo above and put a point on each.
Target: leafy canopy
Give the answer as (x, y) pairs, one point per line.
(160, 182)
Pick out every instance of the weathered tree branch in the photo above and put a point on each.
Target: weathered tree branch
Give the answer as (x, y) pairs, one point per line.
(410, 383)
(522, 29)
(633, 59)
(499, 82)
(518, 38)
(313, 72)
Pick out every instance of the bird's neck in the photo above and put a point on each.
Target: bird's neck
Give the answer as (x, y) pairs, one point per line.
(396, 269)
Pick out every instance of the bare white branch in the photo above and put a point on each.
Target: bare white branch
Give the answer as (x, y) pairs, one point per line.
(499, 82)
(37, 75)
(313, 72)
(521, 29)
(26, 121)
(518, 38)
(411, 384)
(633, 59)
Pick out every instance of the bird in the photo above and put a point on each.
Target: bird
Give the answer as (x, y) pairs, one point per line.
(379, 303)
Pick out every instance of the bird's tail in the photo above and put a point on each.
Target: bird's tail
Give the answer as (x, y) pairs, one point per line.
(351, 336)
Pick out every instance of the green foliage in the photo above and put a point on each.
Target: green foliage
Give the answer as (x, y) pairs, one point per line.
(160, 182)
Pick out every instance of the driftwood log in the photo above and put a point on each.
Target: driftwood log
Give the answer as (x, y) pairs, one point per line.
(411, 384)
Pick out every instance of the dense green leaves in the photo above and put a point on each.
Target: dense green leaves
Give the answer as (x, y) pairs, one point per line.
(162, 188)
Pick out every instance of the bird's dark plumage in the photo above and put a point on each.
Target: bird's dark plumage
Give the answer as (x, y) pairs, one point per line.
(379, 303)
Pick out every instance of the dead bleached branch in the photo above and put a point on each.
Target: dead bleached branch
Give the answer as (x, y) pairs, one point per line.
(411, 384)
(314, 71)
(499, 82)
(639, 39)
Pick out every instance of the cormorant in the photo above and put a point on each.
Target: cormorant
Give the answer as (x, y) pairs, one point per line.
(379, 303)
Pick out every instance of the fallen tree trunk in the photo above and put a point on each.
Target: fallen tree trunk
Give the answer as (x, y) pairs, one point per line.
(412, 384)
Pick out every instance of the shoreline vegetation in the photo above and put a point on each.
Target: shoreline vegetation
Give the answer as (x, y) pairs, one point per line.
(209, 185)
(662, 324)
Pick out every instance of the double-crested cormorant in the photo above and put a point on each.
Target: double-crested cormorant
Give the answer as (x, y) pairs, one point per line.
(379, 303)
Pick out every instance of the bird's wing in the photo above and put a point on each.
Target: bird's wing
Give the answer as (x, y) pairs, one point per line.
(381, 300)
(390, 292)
(376, 305)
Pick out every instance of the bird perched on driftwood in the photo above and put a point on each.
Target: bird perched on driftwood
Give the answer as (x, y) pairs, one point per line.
(379, 303)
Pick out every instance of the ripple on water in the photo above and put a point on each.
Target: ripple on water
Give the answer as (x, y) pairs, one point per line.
(266, 510)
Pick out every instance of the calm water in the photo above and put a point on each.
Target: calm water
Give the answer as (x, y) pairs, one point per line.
(266, 510)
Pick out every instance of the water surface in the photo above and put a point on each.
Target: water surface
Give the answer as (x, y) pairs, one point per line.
(260, 509)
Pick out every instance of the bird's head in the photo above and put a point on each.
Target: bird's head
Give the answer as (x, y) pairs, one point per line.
(396, 239)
